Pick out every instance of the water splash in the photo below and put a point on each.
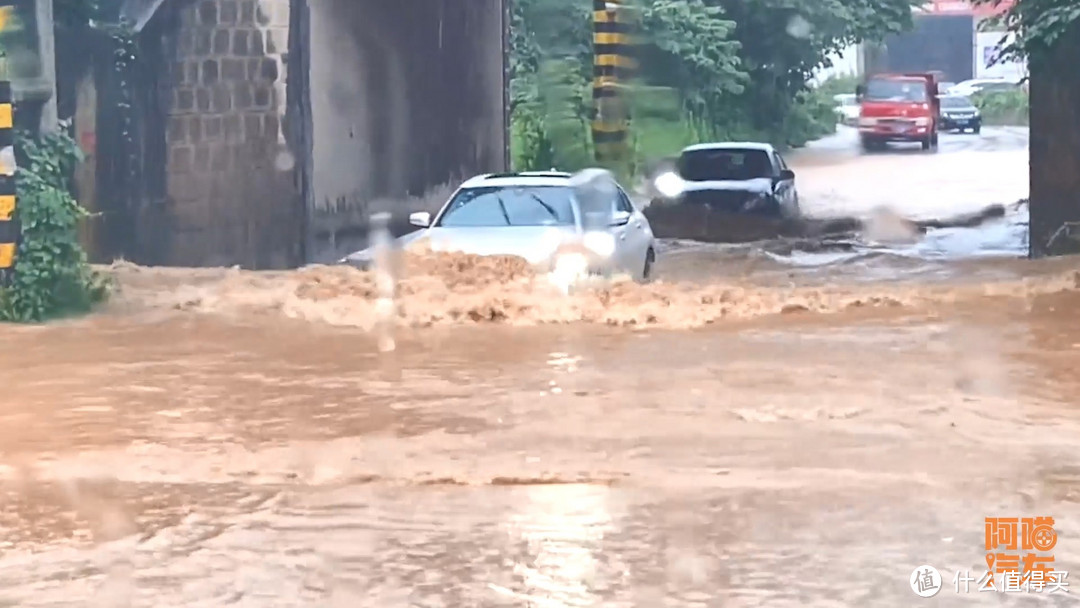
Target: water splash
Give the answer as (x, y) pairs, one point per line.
(569, 270)
(385, 281)
(582, 256)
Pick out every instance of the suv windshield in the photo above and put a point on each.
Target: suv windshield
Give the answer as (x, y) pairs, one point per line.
(896, 90)
(725, 164)
(494, 206)
(956, 102)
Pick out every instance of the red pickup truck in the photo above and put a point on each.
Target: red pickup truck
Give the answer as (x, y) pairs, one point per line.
(899, 107)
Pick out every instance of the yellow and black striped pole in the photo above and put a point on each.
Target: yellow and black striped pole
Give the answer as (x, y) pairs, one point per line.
(9, 228)
(613, 67)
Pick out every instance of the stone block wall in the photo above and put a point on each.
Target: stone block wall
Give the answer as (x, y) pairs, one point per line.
(231, 193)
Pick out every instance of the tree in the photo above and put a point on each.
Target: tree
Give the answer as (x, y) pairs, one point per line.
(1047, 34)
(782, 42)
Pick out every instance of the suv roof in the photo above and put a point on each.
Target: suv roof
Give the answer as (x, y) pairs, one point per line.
(518, 178)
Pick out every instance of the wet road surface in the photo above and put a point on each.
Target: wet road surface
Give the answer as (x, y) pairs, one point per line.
(220, 438)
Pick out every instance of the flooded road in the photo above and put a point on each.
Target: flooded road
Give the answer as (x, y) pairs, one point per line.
(223, 438)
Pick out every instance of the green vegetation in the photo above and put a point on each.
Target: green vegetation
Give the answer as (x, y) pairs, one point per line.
(839, 85)
(709, 69)
(52, 278)
(1008, 108)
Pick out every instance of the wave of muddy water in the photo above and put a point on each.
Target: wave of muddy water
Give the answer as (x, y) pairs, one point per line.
(222, 438)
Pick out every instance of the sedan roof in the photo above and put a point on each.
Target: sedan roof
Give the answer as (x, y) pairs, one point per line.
(730, 145)
(524, 178)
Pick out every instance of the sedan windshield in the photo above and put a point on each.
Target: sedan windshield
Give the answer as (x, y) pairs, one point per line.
(882, 89)
(724, 164)
(495, 206)
(956, 102)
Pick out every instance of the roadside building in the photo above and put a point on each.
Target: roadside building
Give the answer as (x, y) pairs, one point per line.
(953, 36)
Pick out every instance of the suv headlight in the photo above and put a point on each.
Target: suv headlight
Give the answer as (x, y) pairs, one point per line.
(669, 184)
(867, 122)
(922, 122)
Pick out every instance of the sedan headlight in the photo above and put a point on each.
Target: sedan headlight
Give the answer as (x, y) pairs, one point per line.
(922, 121)
(867, 122)
(600, 243)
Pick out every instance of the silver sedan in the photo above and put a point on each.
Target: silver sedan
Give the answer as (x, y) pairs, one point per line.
(545, 218)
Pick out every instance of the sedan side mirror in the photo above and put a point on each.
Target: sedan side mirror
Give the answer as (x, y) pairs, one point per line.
(786, 174)
(420, 218)
(620, 218)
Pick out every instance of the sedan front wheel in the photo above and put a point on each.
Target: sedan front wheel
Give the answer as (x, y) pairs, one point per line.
(647, 269)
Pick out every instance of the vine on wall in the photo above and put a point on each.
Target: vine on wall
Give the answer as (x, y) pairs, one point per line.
(52, 277)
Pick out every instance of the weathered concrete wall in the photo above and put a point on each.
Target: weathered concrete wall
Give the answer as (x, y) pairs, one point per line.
(267, 131)
(231, 194)
(422, 105)
(1055, 150)
(361, 125)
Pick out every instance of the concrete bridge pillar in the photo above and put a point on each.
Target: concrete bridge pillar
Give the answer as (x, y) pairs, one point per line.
(232, 197)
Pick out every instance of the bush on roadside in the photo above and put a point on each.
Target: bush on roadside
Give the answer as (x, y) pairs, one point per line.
(838, 85)
(812, 116)
(52, 278)
(1004, 108)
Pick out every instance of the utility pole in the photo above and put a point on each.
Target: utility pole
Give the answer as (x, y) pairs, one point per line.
(50, 122)
(9, 227)
(613, 67)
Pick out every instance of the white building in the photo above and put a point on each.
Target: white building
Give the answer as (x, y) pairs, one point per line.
(987, 52)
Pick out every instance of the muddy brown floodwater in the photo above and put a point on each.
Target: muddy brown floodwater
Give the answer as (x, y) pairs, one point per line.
(777, 424)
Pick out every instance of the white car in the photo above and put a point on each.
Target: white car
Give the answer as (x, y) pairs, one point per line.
(967, 88)
(541, 217)
(847, 108)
